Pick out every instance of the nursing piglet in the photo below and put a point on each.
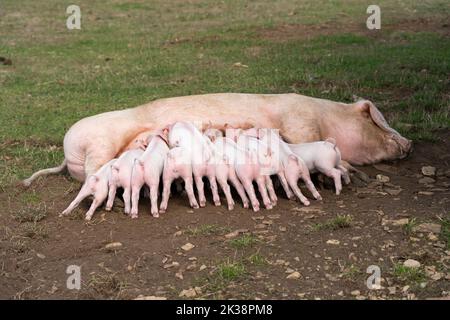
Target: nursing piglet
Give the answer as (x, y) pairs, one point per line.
(325, 157)
(294, 166)
(121, 177)
(177, 165)
(96, 185)
(147, 170)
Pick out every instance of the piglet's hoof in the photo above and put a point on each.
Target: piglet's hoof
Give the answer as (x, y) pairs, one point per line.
(155, 215)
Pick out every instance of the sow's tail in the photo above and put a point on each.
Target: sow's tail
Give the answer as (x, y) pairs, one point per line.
(43, 172)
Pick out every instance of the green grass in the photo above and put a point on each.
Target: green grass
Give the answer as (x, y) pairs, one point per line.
(409, 227)
(130, 52)
(244, 241)
(445, 231)
(257, 259)
(412, 276)
(230, 270)
(339, 222)
(206, 230)
(31, 213)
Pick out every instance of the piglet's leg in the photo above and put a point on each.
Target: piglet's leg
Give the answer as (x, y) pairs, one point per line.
(344, 173)
(165, 195)
(188, 183)
(310, 185)
(111, 196)
(226, 189)
(154, 199)
(95, 204)
(200, 190)
(84, 193)
(247, 183)
(292, 181)
(214, 190)
(271, 190)
(285, 186)
(261, 182)
(239, 188)
(336, 175)
(135, 190)
(126, 199)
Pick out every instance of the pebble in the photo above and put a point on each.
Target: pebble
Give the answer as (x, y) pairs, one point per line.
(142, 297)
(382, 178)
(333, 241)
(188, 246)
(202, 267)
(188, 293)
(411, 263)
(428, 171)
(40, 256)
(294, 275)
(428, 227)
(427, 180)
(425, 193)
(235, 233)
(113, 246)
(355, 293)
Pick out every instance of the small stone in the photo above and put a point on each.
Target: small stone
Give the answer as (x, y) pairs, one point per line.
(411, 263)
(427, 180)
(428, 171)
(393, 192)
(188, 246)
(171, 265)
(397, 223)
(178, 233)
(235, 233)
(202, 267)
(289, 270)
(40, 256)
(425, 193)
(274, 216)
(355, 293)
(260, 226)
(282, 229)
(428, 227)
(294, 275)
(113, 246)
(188, 293)
(142, 297)
(333, 241)
(267, 222)
(392, 290)
(432, 237)
(382, 178)
(179, 275)
(360, 297)
(190, 211)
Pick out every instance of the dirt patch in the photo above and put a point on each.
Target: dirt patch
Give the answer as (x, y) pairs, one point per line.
(290, 32)
(291, 252)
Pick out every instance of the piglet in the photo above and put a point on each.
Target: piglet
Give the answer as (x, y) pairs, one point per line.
(185, 134)
(147, 170)
(225, 169)
(95, 185)
(294, 166)
(121, 177)
(177, 165)
(325, 157)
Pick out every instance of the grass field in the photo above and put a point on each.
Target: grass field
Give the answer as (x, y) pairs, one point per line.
(130, 52)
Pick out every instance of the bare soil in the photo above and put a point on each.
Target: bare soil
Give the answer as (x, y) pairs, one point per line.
(290, 238)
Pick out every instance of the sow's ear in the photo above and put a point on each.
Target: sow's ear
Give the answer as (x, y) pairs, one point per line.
(368, 109)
